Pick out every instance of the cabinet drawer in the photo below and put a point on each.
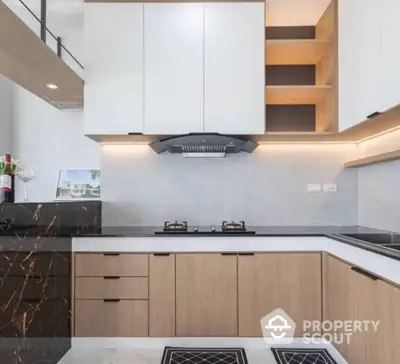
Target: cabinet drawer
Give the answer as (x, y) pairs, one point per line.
(99, 318)
(127, 288)
(33, 288)
(24, 264)
(120, 265)
(34, 318)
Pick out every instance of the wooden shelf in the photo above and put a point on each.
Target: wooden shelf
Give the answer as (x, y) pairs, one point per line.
(295, 51)
(296, 95)
(378, 158)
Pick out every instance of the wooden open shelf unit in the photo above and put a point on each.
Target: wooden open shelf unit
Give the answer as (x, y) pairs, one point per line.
(299, 52)
(296, 95)
(378, 158)
(295, 51)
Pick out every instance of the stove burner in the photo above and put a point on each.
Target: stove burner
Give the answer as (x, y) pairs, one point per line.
(175, 226)
(233, 226)
(227, 228)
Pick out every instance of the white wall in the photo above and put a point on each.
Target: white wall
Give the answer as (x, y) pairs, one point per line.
(267, 187)
(42, 135)
(5, 115)
(379, 185)
(52, 140)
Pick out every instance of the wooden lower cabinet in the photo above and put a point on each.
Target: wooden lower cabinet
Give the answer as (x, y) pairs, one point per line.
(388, 342)
(266, 282)
(111, 264)
(101, 318)
(206, 295)
(162, 295)
(359, 296)
(336, 287)
(127, 288)
(363, 306)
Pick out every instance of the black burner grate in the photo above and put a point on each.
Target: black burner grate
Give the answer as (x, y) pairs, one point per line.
(204, 356)
(302, 356)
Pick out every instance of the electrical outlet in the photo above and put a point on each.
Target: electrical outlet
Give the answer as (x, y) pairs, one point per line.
(314, 187)
(330, 187)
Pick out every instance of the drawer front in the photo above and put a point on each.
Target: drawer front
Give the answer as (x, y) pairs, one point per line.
(128, 288)
(120, 265)
(33, 288)
(97, 318)
(34, 318)
(22, 264)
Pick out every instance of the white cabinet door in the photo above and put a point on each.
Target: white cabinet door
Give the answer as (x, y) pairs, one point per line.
(173, 66)
(359, 60)
(234, 69)
(113, 44)
(390, 54)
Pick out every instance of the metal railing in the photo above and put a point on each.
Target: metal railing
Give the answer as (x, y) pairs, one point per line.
(44, 30)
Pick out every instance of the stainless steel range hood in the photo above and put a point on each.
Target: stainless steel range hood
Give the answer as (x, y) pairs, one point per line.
(204, 145)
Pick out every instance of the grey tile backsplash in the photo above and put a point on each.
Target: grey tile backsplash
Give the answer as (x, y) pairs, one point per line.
(379, 196)
(268, 187)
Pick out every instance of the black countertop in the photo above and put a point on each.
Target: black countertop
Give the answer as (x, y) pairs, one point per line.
(334, 232)
(149, 231)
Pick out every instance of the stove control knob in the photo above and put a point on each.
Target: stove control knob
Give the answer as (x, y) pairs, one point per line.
(213, 229)
(195, 229)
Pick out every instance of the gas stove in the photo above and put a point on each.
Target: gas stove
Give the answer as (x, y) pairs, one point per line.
(226, 227)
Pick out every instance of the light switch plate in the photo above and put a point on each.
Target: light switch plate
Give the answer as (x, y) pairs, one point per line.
(314, 187)
(330, 187)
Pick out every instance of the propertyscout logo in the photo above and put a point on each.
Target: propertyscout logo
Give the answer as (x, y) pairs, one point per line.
(278, 328)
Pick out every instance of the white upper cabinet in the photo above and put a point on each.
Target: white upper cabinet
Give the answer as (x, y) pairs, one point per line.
(234, 68)
(113, 43)
(359, 57)
(173, 68)
(390, 54)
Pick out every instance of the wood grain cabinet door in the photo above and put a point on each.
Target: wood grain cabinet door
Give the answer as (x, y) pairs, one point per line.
(388, 328)
(162, 295)
(291, 282)
(362, 348)
(357, 296)
(111, 318)
(337, 295)
(206, 295)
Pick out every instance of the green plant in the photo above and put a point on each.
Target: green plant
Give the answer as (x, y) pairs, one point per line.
(14, 165)
(95, 173)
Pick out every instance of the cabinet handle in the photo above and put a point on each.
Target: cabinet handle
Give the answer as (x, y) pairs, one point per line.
(248, 254)
(373, 115)
(111, 254)
(111, 277)
(33, 300)
(161, 254)
(365, 273)
(228, 254)
(109, 300)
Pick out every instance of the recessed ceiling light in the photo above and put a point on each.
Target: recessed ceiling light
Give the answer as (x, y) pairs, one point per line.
(52, 86)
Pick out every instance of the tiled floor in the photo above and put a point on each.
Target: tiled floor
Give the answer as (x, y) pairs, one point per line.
(144, 356)
(150, 351)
